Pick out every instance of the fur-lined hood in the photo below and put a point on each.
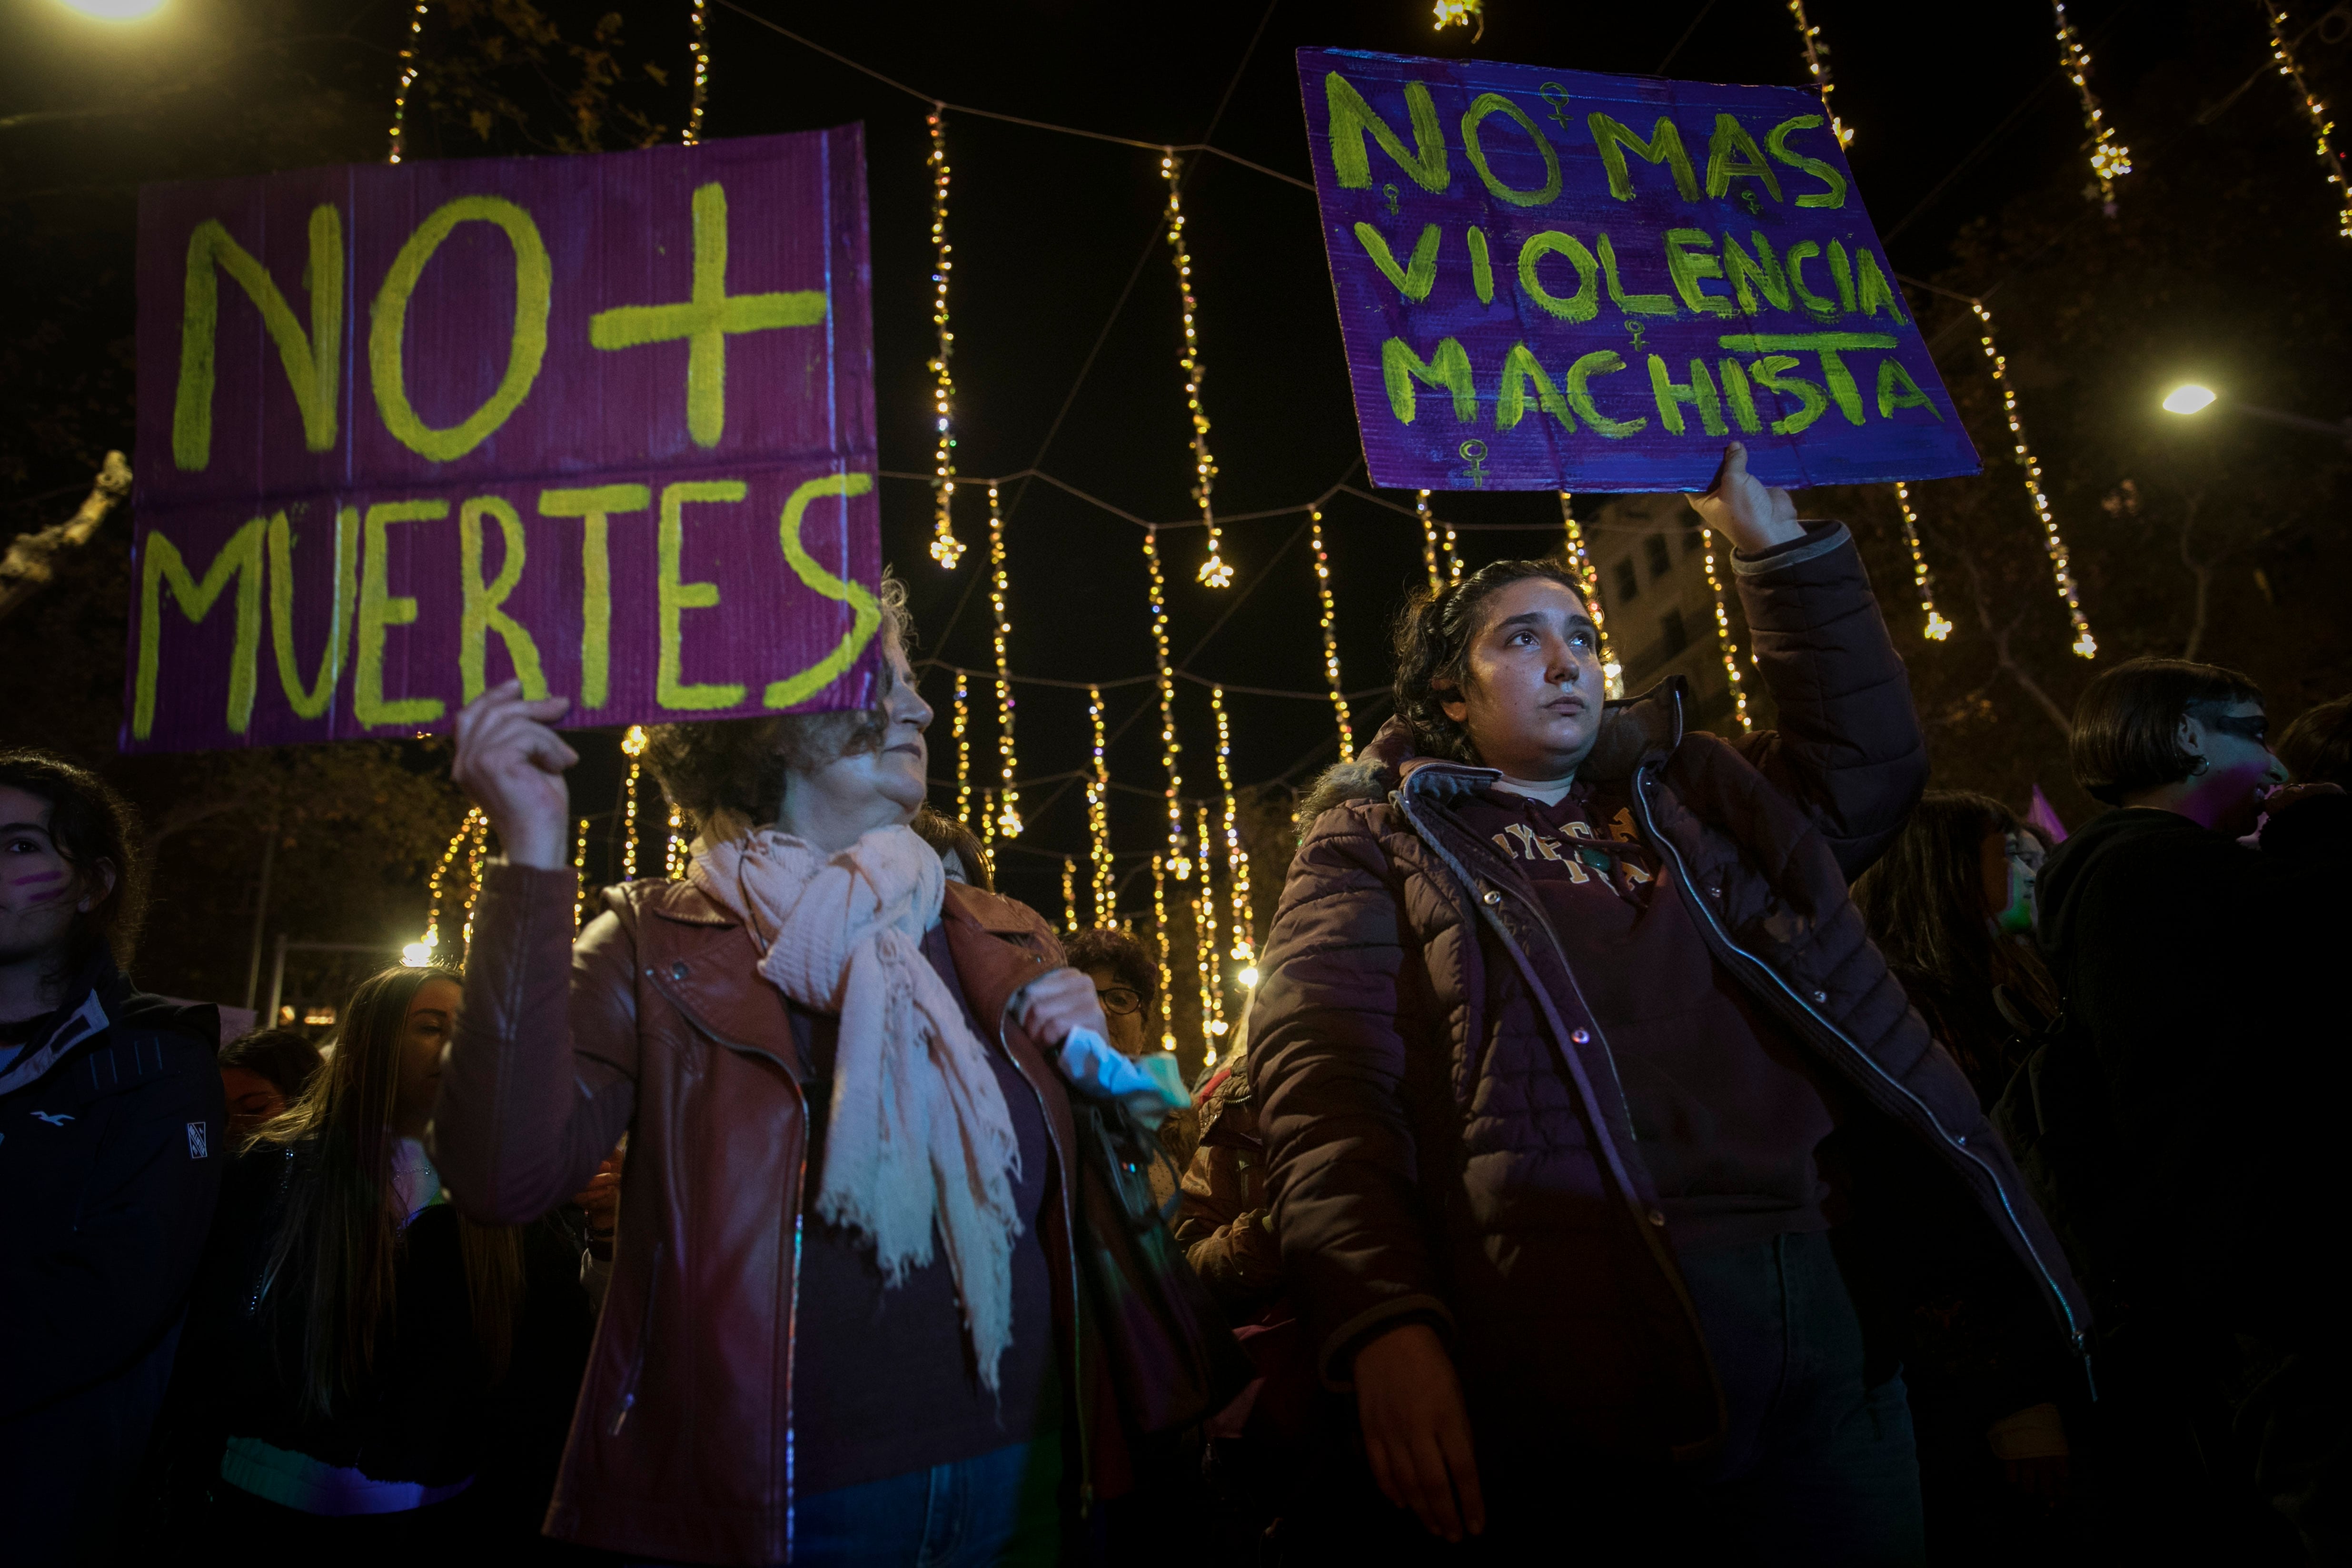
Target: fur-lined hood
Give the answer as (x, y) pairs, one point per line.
(1633, 729)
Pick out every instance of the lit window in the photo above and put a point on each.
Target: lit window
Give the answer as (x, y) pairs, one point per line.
(1629, 582)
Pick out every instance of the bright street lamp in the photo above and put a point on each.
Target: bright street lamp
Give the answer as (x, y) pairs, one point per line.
(116, 10)
(2190, 398)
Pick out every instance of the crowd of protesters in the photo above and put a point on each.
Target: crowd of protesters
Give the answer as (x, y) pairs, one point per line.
(1640, 1145)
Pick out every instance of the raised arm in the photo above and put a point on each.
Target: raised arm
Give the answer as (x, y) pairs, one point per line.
(1848, 747)
(540, 1078)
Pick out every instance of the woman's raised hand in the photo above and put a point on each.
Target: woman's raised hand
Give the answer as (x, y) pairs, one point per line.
(511, 762)
(1053, 1004)
(1745, 510)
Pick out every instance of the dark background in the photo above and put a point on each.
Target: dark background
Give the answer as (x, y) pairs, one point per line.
(2218, 537)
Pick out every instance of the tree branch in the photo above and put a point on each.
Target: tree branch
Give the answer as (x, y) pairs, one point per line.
(1999, 637)
(31, 560)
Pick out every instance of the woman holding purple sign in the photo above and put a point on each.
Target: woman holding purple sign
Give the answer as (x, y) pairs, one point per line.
(843, 1321)
(1597, 1132)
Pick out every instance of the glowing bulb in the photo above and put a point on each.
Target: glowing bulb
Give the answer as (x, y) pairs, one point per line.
(117, 10)
(1249, 977)
(417, 954)
(2189, 398)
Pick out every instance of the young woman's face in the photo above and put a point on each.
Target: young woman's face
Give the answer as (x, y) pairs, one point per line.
(252, 1099)
(2012, 863)
(2240, 766)
(432, 1014)
(1532, 693)
(40, 892)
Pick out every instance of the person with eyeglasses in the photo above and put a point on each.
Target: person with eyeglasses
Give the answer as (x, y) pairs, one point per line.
(1126, 983)
(2197, 934)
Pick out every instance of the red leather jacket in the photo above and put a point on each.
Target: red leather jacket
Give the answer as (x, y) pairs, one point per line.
(655, 1021)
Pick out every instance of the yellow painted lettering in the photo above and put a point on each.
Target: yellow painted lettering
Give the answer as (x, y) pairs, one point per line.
(312, 700)
(1748, 273)
(1687, 262)
(1521, 368)
(484, 602)
(387, 332)
(595, 507)
(1448, 369)
(1635, 304)
(1352, 118)
(309, 362)
(1581, 306)
(1665, 146)
(1698, 392)
(865, 612)
(1488, 103)
(1414, 279)
(1732, 154)
(1579, 393)
(161, 563)
(1777, 143)
(379, 610)
(1897, 390)
(676, 598)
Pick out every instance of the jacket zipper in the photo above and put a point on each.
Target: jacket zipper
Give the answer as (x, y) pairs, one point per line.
(628, 1399)
(793, 1307)
(1077, 1298)
(1691, 896)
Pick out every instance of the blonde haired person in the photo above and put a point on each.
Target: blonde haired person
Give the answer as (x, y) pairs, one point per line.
(842, 1325)
(355, 1348)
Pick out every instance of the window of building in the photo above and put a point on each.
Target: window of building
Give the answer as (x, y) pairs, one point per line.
(1629, 582)
(1695, 539)
(1654, 547)
(1673, 635)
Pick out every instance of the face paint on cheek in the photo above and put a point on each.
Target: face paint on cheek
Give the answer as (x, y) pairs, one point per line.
(40, 879)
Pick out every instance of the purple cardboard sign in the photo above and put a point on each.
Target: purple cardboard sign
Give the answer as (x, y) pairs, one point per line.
(603, 422)
(1553, 279)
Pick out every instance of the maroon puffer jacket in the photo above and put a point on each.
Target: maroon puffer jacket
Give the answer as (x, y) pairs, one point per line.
(1444, 1133)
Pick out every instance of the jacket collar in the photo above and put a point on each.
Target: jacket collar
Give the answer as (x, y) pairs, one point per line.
(81, 1021)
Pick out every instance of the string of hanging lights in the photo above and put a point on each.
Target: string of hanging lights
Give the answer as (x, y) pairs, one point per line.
(477, 850)
(1098, 816)
(1160, 931)
(2061, 566)
(1205, 943)
(580, 877)
(674, 855)
(2322, 128)
(1214, 571)
(1237, 876)
(1009, 802)
(1723, 630)
(699, 45)
(1428, 539)
(1069, 895)
(988, 823)
(2110, 159)
(421, 951)
(1937, 628)
(1581, 567)
(1178, 866)
(1330, 637)
(1817, 62)
(632, 746)
(407, 80)
(946, 548)
(963, 749)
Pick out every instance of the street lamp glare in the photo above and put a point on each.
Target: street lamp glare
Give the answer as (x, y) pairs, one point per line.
(417, 955)
(2189, 398)
(116, 10)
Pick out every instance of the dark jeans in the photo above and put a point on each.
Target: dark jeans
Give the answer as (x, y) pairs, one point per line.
(1818, 1468)
(1000, 1509)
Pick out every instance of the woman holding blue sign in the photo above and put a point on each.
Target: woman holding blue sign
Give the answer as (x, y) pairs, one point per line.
(1595, 1126)
(857, 1235)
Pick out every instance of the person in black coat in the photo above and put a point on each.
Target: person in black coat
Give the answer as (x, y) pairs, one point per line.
(111, 1128)
(2198, 937)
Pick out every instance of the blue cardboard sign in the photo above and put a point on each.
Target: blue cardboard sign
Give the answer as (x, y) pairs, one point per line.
(1555, 279)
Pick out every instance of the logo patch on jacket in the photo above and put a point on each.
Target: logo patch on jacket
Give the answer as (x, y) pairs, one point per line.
(54, 1118)
(199, 1141)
